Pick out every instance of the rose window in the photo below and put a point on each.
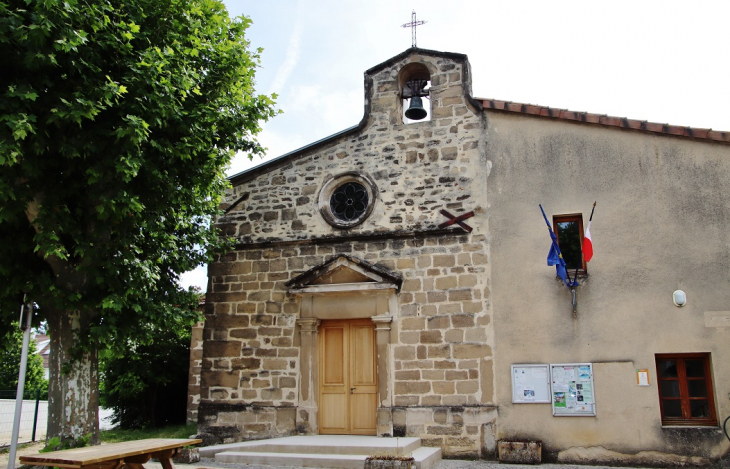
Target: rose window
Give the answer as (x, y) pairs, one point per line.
(349, 201)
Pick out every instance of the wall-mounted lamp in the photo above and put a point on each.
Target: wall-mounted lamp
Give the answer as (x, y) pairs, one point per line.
(679, 297)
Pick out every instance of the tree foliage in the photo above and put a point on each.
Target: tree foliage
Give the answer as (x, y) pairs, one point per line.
(11, 347)
(146, 386)
(117, 121)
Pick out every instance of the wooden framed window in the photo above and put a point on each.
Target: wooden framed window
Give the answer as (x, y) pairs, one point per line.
(685, 389)
(569, 231)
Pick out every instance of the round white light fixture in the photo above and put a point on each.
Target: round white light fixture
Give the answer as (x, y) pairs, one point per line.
(679, 298)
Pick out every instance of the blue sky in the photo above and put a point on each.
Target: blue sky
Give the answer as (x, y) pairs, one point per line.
(662, 61)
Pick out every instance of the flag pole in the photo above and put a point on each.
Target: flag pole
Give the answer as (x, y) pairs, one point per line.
(574, 283)
(559, 262)
(575, 303)
(545, 217)
(575, 277)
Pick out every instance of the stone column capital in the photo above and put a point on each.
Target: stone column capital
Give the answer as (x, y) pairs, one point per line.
(308, 324)
(382, 322)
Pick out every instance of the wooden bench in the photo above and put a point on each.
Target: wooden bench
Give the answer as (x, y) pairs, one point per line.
(132, 454)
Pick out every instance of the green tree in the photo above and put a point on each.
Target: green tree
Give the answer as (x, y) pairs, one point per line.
(147, 385)
(117, 121)
(10, 351)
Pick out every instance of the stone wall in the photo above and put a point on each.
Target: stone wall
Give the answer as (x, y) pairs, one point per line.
(440, 341)
(196, 360)
(418, 168)
(438, 373)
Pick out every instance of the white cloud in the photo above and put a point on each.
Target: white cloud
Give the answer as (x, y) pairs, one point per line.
(292, 53)
(195, 278)
(330, 110)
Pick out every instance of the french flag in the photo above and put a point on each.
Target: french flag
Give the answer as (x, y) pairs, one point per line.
(588, 243)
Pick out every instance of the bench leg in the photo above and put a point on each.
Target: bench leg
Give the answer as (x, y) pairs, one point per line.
(136, 462)
(165, 458)
(133, 465)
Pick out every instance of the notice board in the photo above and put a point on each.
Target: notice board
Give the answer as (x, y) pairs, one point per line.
(530, 384)
(571, 389)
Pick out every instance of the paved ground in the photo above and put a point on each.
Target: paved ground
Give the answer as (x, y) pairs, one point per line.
(210, 463)
(443, 464)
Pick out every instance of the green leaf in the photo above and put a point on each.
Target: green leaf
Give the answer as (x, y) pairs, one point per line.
(117, 122)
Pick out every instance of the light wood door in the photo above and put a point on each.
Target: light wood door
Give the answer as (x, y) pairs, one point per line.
(348, 377)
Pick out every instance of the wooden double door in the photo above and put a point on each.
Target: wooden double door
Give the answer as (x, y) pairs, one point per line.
(348, 381)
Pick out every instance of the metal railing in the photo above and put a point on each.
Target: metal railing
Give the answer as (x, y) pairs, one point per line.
(33, 418)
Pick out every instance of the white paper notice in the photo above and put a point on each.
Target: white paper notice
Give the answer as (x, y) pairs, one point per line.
(560, 387)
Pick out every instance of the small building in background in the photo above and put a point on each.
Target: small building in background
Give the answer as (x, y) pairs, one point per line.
(43, 348)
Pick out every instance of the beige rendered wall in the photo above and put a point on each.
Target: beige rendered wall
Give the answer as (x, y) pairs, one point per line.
(662, 223)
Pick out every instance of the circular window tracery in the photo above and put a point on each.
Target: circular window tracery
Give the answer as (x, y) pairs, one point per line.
(347, 200)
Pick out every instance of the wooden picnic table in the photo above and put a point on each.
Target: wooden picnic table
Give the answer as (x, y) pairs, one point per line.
(132, 454)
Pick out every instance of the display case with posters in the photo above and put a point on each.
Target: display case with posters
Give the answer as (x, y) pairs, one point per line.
(531, 384)
(571, 389)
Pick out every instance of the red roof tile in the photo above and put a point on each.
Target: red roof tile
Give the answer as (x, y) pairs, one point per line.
(610, 121)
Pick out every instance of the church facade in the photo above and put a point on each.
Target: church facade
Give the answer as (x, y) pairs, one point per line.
(390, 279)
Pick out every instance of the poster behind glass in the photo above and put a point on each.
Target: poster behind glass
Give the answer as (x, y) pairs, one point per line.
(571, 389)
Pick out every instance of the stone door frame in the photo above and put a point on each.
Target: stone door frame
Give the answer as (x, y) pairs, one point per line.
(344, 287)
(309, 321)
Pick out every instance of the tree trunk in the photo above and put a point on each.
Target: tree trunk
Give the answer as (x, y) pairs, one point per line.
(73, 388)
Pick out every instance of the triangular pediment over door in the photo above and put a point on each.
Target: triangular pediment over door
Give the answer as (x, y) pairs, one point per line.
(344, 273)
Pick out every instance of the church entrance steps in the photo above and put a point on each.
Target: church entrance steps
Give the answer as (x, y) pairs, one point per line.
(325, 451)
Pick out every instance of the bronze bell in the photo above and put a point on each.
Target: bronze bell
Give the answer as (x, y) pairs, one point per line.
(415, 110)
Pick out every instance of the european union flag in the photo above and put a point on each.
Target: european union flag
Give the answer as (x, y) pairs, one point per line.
(556, 259)
(554, 256)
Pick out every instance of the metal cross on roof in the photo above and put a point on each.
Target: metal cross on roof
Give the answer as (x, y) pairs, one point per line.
(413, 25)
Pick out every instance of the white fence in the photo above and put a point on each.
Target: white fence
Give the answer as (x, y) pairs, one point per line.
(7, 412)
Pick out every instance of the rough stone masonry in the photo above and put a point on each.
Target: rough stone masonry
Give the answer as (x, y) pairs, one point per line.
(435, 336)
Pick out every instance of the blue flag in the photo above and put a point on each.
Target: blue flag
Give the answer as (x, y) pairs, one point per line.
(554, 256)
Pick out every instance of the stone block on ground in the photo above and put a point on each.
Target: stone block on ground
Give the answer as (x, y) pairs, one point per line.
(520, 452)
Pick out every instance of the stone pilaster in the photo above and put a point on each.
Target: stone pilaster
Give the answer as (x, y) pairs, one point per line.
(309, 376)
(382, 338)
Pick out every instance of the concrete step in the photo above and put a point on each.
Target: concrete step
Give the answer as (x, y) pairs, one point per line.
(344, 461)
(325, 451)
(329, 444)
